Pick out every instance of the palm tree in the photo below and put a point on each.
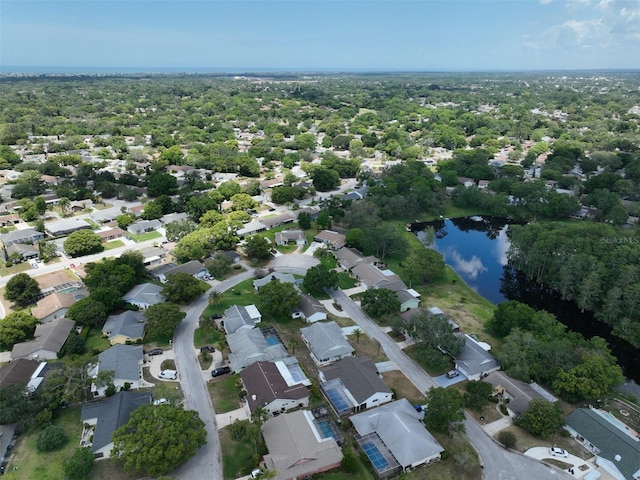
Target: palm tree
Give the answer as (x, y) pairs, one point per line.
(358, 333)
(215, 297)
(65, 206)
(293, 344)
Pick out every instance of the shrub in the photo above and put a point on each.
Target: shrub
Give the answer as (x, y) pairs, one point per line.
(444, 455)
(507, 439)
(79, 465)
(503, 410)
(43, 417)
(51, 438)
(349, 463)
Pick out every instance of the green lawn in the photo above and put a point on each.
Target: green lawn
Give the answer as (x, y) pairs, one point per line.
(113, 244)
(237, 457)
(145, 236)
(208, 335)
(241, 294)
(225, 393)
(346, 281)
(34, 465)
(17, 268)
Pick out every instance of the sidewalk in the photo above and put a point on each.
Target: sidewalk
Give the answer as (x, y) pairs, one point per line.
(494, 427)
(328, 305)
(226, 419)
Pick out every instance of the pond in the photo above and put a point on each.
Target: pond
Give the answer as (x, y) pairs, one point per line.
(476, 248)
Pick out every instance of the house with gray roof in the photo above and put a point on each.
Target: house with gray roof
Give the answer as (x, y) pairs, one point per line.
(128, 327)
(105, 417)
(290, 236)
(333, 240)
(267, 388)
(249, 346)
(309, 309)
(296, 448)
(173, 217)
(144, 295)
(398, 435)
(371, 276)
(239, 317)
(475, 361)
(105, 216)
(28, 235)
(65, 226)
(327, 342)
(195, 268)
(152, 255)
(18, 372)
(348, 258)
(519, 393)
(23, 251)
(616, 446)
(281, 277)
(48, 340)
(126, 363)
(250, 228)
(277, 220)
(144, 226)
(353, 384)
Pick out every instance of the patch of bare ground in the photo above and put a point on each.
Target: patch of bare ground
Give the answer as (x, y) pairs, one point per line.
(367, 347)
(525, 441)
(403, 387)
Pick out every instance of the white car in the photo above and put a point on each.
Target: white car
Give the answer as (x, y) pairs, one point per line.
(34, 264)
(168, 374)
(558, 452)
(160, 401)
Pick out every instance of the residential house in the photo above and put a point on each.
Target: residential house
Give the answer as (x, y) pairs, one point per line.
(239, 317)
(56, 282)
(111, 234)
(296, 448)
(195, 268)
(519, 393)
(21, 251)
(277, 220)
(250, 228)
(152, 255)
(483, 184)
(48, 340)
(144, 226)
(616, 446)
(233, 256)
(409, 299)
(332, 240)
(353, 384)
(309, 309)
(173, 217)
(144, 295)
(105, 216)
(267, 388)
(7, 441)
(432, 312)
(55, 305)
(28, 235)
(249, 346)
(475, 361)
(18, 372)
(10, 220)
(290, 236)
(350, 257)
(327, 342)
(371, 276)
(105, 417)
(395, 432)
(466, 182)
(128, 327)
(65, 227)
(125, 361)
(281, 277)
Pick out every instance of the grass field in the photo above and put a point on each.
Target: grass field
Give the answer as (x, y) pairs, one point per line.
(34, 465)
(225, 393)
(113, 244)
(241, 294)
(237, 456)
(145, 236)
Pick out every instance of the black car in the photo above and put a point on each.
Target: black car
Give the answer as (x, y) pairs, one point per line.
(216, 372)
(206, 348)
(156, 351)
(216, 316)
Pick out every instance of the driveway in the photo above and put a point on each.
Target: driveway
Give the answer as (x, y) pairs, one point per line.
(297, 263)
(580, 467)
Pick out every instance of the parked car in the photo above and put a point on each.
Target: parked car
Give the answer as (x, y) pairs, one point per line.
(216, 372)
(34, 264)
(207, 348)
(160, 401)
(452, 373)
(216, 316)
(156, 351)
(558, 452)
(168, 374)
(256, 473)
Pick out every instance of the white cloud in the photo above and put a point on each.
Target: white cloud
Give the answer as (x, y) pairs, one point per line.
(469, 268)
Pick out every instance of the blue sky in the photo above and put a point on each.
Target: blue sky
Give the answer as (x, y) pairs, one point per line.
(416, 35)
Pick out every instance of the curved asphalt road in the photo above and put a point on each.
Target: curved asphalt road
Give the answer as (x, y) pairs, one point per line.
(499, 464)
(207, 463)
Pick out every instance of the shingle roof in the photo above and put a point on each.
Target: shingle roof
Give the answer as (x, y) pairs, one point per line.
(249, 346)
(398, 425)
(112, 413)
(310, 305)
(124, 360)
(359, 375)
(238, 316)
(326, 340)
(17, 372)
(146, 293)
(474, 359)
(295, 448)
(337, 240)
(47, 336)
(20, 236)
(52, 303)
(609, 439)
(130, 324)
(264, 384)
(349, 257)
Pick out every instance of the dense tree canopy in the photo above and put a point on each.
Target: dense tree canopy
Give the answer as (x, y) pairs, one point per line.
(162, 320)
(16, 327)
(183, 288)
(158, 439)
(278, 298)
(82, 242)
(377, 302)
(320, 277)
(445, 410)
(542, 418)
(21, 289)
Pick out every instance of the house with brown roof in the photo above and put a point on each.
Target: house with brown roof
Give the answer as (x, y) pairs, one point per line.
(309, 309)
(18, 372)
(296, 448)
(333, 240)
(23, 251)
(53, 306)
(268, 387)
(48, 340)
(111, 234)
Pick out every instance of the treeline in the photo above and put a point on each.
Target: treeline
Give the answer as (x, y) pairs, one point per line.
(538, 347)
(596, 265)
